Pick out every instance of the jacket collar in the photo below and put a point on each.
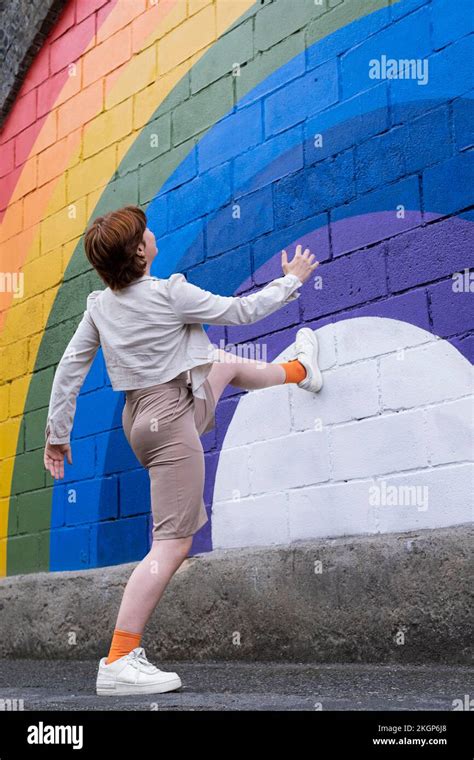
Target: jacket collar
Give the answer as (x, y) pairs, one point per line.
(142, 278)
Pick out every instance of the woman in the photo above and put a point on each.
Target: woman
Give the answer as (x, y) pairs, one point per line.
(157, 351)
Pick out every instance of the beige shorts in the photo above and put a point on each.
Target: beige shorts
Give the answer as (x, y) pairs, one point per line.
(162, 424)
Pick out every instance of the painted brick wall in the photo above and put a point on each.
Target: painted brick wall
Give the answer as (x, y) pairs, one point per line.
(243, 128)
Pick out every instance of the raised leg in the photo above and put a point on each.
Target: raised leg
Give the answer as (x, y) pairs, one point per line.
(244, 373)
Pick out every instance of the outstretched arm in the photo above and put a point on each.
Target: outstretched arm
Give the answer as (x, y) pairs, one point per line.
(192, 304)
(68, 379)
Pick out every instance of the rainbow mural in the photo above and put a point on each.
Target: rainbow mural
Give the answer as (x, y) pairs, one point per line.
(195, 109)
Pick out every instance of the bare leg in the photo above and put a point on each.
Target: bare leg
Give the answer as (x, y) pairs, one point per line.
(244, 373)
(148, 581)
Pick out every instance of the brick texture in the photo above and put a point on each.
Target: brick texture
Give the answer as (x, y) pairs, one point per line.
(244, 128)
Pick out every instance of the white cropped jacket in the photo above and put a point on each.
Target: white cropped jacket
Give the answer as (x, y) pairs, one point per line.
(151, 331)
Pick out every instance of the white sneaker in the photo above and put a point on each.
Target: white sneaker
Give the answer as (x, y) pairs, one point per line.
(133, 674)
(307, 349)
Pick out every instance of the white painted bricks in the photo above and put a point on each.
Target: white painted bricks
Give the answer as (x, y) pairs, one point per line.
(290, 462)
(378, 446)
(449, 499)
(337, 509)
(366, 337)
(260, 520)
(394, 411)
(253, 426)
(425, 375)
(450, 431)
(342, 401)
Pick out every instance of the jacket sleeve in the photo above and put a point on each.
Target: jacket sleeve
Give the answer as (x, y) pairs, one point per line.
(68, 379)
(192, 304)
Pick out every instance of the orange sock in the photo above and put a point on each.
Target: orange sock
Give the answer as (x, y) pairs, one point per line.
(122, 643)
(295, 371)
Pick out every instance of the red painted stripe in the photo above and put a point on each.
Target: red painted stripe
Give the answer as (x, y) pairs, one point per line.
(45, 79)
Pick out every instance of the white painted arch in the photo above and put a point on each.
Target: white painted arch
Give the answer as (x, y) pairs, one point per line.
(386, 446)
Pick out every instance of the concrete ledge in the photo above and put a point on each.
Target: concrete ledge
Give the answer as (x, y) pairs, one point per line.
(268, 604)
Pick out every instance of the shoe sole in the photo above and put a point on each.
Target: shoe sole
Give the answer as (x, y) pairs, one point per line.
(317, 375)
(118, 689)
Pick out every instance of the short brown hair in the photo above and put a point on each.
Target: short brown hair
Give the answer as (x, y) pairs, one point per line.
(111, 244)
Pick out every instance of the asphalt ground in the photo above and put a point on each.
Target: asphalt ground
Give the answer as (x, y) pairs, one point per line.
(232, 686)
